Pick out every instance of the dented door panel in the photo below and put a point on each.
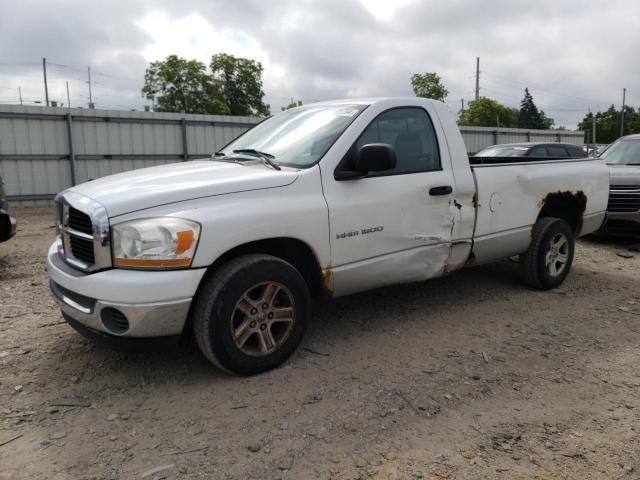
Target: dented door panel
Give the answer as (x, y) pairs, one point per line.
(392, 228)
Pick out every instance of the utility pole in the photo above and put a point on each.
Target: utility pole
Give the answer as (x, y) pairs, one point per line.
(46, 88)
(462, 101)
(624, 93)
(68, 98)
(89, 82)
(593, 134)
(20, 94)
(477, 77)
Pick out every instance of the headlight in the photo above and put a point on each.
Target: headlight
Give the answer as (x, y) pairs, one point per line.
(155, 243)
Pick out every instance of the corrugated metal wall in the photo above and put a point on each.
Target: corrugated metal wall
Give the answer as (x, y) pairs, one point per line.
(478, 138)
(36, 160)
(44, 150)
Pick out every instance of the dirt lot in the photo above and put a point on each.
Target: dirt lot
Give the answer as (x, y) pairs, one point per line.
(471, 376)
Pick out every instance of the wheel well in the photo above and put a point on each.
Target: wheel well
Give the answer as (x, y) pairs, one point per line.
(568, 206)
(291, 250)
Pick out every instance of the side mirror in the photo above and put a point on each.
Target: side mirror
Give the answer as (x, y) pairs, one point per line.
(375, 157)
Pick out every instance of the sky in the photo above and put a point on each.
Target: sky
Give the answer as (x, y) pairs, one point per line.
(573, 56)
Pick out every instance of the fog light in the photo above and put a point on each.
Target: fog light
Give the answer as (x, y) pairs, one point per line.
(114, 320)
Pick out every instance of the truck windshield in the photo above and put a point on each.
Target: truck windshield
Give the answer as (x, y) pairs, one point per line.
(623, 152)
(298, 137)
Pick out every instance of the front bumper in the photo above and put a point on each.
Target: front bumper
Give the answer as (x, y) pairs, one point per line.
(622, 223)
(7, 226)
(124, 303)
(627, 216)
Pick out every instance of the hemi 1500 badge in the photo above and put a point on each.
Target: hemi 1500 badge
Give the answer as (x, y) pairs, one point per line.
(362, 231)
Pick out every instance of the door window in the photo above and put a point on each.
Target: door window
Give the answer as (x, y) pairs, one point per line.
(411, 133)
(557, 151)
(575, 151)
(538, 152)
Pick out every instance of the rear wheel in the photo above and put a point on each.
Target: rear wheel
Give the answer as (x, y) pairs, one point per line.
(251, 314)
(548, 260)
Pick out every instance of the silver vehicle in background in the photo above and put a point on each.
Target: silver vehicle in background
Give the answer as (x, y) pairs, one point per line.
(623, 211)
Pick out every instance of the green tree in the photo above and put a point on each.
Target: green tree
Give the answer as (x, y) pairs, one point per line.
(586, 125)
(238, 84)
(631, 120)
(232, 87)
(428, 85)
(607, 125)
(546, 123)
(178, 85)
(486, 112)
(530, 117)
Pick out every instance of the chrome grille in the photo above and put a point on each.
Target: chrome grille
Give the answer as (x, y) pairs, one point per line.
(624, 198)
(81, 245)
(83, 226)
(80, 221)
(82, 249)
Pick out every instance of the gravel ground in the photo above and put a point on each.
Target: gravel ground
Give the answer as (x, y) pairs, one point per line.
(469, 376)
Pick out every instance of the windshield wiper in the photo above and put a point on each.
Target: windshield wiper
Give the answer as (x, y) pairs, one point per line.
(223, 157)
(265, 157)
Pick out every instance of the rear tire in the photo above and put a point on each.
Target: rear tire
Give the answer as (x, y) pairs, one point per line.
(548, 260)
(251, 314)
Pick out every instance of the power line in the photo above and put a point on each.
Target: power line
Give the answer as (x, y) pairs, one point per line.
(18, 64)
(542, 106)
(537, 87)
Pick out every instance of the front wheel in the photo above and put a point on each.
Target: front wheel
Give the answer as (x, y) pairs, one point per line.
(251, 314)
(548, 260)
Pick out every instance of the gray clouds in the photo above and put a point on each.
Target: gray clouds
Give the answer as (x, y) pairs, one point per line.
(572, 55)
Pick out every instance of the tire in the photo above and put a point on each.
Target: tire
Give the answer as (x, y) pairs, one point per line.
(250, 315)
(548, 260)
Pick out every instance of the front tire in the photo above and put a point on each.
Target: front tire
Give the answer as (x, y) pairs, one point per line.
(251, 314)
(548, 260)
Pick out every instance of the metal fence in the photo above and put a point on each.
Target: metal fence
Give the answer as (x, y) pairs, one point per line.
(44, 150)
(479, 138)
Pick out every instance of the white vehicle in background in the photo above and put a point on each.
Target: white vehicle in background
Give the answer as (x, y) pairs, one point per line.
(326, 200)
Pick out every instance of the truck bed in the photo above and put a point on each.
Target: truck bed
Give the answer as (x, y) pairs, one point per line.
(570, 184)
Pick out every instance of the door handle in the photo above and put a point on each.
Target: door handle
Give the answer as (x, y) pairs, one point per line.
(443, 190)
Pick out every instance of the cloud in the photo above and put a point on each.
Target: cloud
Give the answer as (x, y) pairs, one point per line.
(568, 54)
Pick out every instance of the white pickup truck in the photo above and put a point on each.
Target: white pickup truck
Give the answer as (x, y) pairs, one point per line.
(323, 200)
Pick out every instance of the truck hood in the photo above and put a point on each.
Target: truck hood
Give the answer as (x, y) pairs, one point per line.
(150, 187)
(624, 174)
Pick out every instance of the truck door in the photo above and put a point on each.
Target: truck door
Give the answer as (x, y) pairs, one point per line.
(392, 226)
